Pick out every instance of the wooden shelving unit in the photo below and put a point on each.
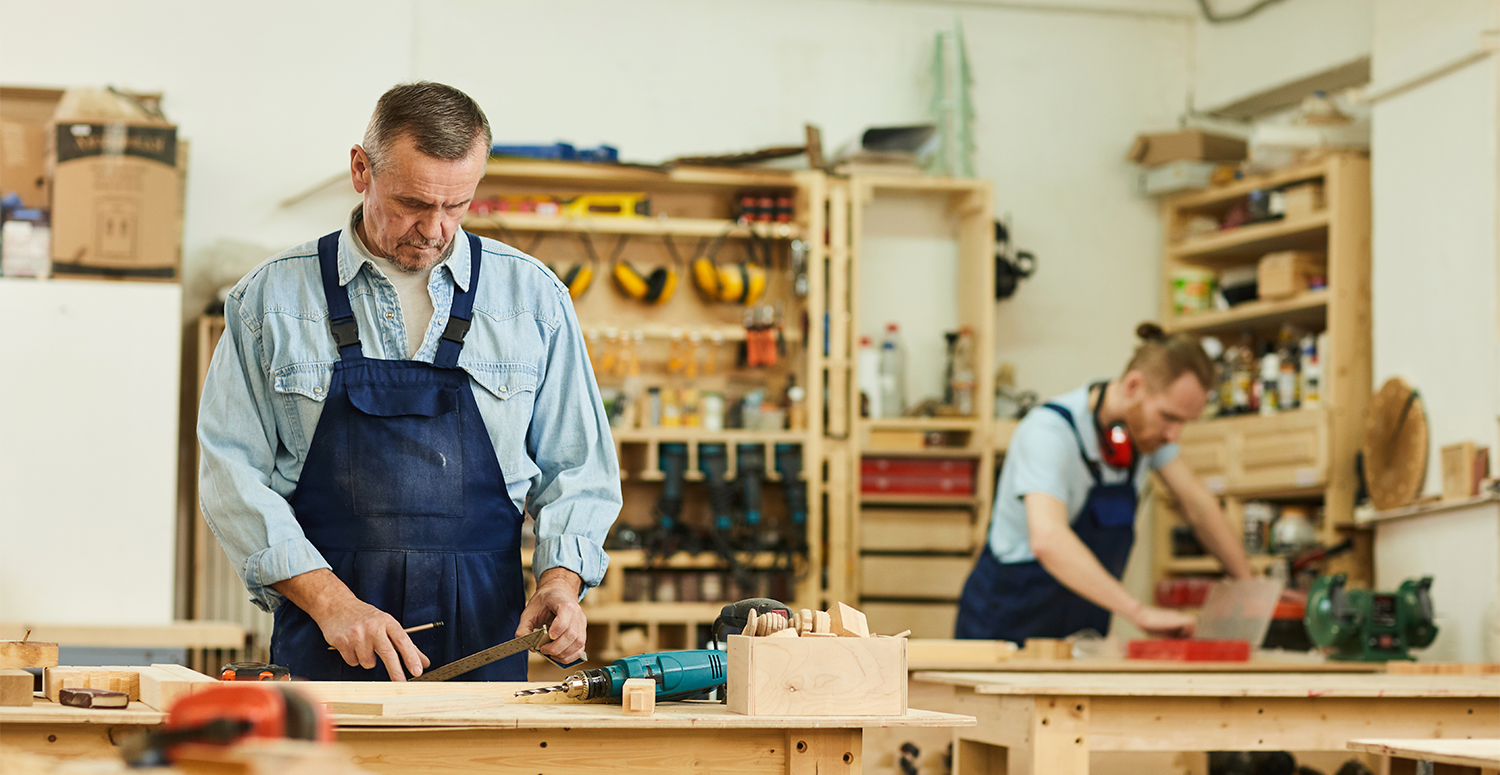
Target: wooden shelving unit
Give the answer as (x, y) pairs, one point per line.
(692, 208)
(905, 556)
(1303, 456)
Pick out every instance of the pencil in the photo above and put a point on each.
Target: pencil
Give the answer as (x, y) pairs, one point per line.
(417, 628)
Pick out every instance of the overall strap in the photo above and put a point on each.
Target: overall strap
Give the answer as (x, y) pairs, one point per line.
(340, 315)
(460, 314)
(1093, 466)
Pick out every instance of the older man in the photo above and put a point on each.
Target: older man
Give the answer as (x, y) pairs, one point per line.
(383, 405)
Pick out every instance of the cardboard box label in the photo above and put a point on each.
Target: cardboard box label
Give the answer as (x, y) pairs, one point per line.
(78, 141)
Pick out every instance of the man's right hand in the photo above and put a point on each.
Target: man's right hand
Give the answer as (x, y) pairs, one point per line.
(361, 632)
(1164, 622)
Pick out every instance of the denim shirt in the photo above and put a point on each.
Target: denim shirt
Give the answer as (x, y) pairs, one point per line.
(531, 379)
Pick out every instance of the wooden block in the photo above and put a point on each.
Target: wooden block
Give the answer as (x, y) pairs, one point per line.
(822, 622)
(805, 621)
(1046, 648)
(938, 651)
(119, 679)
(897, 440)
(828, 676)
(785, 632)
(818, 635)
(93, 698)
(15, 653)
(162, 685)
(847, 622)
(639, 697)
(408, 705)
(15, 687)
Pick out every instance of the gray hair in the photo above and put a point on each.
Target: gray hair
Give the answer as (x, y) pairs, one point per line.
(443, 122)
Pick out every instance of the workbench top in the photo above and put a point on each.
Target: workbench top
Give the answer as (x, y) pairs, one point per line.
(1464, 753)
(1145, 666)
(1220, 684)
(541, 712)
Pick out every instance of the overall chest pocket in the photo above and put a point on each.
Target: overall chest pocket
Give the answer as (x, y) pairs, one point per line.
(408, 450)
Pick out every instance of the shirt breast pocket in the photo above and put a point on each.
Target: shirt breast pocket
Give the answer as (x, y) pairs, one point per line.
(506, 397)
(302, 389)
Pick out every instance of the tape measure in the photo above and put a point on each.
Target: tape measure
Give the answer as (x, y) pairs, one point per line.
(254, 671)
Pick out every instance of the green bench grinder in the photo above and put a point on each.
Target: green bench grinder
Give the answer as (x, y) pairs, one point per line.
(1362, 625)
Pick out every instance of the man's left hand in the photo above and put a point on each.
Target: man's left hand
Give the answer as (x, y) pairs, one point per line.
(555, 604)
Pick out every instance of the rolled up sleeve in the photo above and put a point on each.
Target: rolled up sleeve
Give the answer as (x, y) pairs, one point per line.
(576, 497)
(238, 439)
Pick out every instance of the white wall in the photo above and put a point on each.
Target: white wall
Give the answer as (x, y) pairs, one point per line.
(1435, 183)
(1284, 42)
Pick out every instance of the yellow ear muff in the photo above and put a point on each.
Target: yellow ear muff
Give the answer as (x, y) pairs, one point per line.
(629, 281)
(577, 278)
(706, 277)
(755, 282)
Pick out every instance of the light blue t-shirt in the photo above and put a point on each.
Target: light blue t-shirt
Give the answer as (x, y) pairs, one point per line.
(1043, 457)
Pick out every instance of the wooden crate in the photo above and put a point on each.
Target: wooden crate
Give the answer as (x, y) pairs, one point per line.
(915, 530)
(939, 578)
(925, 620)
(817, 676)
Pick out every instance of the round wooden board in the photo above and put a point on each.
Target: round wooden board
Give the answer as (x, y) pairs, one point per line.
(1395, 457)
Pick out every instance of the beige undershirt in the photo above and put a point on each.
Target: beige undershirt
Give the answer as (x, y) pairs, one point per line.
(411, 289)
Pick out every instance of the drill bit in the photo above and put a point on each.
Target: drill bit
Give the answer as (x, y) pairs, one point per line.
(541, 690)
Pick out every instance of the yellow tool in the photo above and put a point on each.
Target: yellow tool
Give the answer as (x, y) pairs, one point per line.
(608, 205)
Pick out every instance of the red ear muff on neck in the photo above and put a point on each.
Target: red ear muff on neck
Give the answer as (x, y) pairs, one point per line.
(1116, 447)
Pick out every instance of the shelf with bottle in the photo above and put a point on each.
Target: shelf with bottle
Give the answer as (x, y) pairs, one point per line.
(1306, 310)
(632, 225)
(1266, 377)
(1299, 233)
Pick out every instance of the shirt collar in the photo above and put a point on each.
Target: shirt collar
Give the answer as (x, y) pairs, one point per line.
(353, 254)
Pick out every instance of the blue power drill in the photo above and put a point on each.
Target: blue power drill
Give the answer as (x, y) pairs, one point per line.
(678, 675)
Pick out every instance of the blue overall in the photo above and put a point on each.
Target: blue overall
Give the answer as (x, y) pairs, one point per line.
(404, 497)
(1018, 600)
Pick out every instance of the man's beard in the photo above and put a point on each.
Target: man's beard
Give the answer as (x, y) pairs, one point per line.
(406, 265)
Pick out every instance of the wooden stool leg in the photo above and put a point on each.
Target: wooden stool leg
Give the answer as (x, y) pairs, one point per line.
(823, 751)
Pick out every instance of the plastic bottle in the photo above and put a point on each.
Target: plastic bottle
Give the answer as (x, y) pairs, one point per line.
(868, 373)
(1215, 351)
(963, 372)
(1287, 384)
(1242, 388)
(892, 374)
(1312, 374)
(1270, 378)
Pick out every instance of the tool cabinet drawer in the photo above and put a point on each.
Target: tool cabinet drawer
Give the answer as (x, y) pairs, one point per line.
(1205, 448)
(925, 620)
(915, 530)
(937, 578)
(1281, 452)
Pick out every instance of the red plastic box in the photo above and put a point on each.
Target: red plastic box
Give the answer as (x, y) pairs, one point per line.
(1189, 650)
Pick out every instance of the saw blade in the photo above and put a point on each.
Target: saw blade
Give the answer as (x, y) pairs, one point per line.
(528, 642)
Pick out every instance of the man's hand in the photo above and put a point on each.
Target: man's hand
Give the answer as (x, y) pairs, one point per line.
(1164, 622)
(555, 604)
(361, 632)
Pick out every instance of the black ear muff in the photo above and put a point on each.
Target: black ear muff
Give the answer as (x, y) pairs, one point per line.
(569, 276)
(656, 282)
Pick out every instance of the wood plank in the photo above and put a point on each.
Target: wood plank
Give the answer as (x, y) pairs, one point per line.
(1019, 665)
(1306, 232)
(1249, 314)
(638, 696)
(915, 530)
(1221, 684)
(823, 751)
(687, 227)
(162, 684)
(1060, 736)
(1465, 753)
(1442, 668)
(408, 705)
(31, 653)
(15, 687)
(179, 634)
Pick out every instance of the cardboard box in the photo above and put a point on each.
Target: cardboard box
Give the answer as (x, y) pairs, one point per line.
(117, 190)
(24, 116)
(1465, 465)
(817, 676)
(1285, 274)
(1303, 200)
(1193, 144)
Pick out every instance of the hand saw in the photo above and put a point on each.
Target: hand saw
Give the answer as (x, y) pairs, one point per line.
(531, 641)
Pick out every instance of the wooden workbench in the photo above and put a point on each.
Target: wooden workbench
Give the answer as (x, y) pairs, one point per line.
(515, 736)
(1471, 756)
(1035, 723)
